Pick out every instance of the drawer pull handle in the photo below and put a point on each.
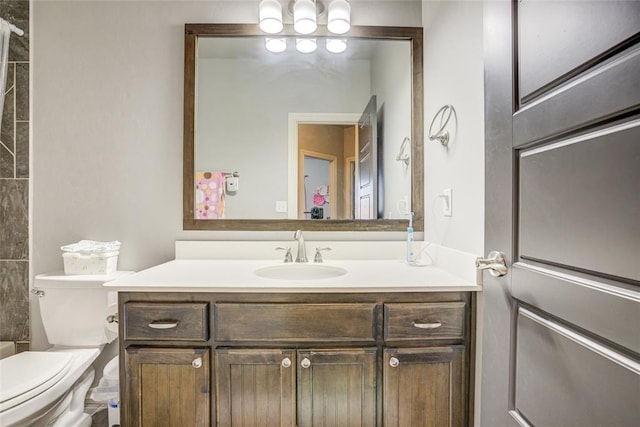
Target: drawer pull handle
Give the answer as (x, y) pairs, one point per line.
(305, 363)
(164, 324)
(286, 362)
(434, 325)
(394, 362)
(197, 363)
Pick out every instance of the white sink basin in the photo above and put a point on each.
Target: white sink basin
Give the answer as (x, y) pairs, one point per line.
(300, 272)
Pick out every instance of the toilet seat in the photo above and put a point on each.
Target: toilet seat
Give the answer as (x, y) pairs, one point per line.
(47, 401)
(29, 374)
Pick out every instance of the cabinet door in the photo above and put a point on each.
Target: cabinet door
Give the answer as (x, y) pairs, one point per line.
(424, 387)
(166, 387)
(255, 387)
(337, 387)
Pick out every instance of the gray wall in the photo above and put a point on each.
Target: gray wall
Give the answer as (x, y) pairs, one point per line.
(454, 74)
(14, 183)
(107, 130)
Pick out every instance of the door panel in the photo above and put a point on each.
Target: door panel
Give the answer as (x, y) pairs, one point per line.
(581, 301)
(427, 387)
(561, 46)
(566, 379)
(255, 388)
(337, 388)
(582, 101)
(569, 202)
(166, 387)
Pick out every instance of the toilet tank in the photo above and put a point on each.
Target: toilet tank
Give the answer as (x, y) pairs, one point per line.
(74, 308)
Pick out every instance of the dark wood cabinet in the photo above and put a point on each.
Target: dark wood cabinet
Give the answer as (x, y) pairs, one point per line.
(337, 387)
(256, 387)
(167, 387)
(299, 360)
(424, 387)
(275, 388)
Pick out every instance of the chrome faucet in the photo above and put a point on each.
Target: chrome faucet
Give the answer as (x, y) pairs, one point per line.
(302, 253)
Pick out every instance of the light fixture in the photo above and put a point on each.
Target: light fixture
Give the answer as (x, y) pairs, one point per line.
(306, 45)
(336, 45)
(304, 16)
(270, 16)
(339, 20)
(276, 45)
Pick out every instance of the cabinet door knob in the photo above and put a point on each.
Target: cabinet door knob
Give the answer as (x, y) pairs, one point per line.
(286, 362)
(197, 362)
(305, 363)
(394, 362)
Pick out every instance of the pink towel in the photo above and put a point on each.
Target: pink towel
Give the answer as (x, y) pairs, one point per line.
(209, 195)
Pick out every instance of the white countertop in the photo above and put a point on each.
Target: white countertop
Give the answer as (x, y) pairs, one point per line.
(224, 275)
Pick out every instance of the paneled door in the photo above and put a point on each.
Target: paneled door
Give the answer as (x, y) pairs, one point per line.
(367, 174)
(562, 108)
(337, 387)
(425, 387)
(167, 387)
(255, 388)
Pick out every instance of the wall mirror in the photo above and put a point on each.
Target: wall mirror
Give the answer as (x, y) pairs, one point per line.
(290, 140)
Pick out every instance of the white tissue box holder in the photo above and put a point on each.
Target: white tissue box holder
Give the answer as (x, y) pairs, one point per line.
(90, 263)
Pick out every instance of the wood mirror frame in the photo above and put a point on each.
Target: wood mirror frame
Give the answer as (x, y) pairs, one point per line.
(411, 34)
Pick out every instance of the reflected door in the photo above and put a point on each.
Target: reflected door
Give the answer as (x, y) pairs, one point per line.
(367, 175)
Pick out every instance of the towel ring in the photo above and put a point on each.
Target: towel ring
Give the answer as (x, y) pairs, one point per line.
(442, 135)
(404, 156)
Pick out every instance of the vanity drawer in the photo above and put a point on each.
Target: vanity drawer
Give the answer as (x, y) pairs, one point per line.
(150, 321)
(420, 321)
(295, 322)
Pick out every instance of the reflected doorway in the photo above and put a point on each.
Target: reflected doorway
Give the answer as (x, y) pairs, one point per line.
(326, 169)
(320, 135)
(318, 185)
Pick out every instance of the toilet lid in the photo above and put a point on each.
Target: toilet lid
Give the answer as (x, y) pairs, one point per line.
(28, 374)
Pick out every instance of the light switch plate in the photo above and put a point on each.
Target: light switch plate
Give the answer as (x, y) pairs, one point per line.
(447, 202)
(281, 206)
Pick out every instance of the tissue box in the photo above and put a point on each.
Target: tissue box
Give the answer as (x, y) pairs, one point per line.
(90, 263)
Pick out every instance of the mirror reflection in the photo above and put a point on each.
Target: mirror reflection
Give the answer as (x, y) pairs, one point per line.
(308, 136)
(247, 111)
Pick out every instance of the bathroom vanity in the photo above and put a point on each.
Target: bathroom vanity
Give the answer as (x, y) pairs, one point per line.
(208, 342)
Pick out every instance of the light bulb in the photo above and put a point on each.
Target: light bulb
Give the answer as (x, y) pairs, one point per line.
(270, 16)
(304, 16)
(339, 19)
(306, 45)
(276, 45)
(336, 45)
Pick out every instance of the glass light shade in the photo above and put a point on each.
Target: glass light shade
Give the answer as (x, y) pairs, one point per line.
(336, 45)
(304, 16)
(339, 19)
(276, 45)
(270, 16)
(306, 45)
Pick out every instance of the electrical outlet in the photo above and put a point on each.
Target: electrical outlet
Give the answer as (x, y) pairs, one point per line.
(447, 208)
(281, 206)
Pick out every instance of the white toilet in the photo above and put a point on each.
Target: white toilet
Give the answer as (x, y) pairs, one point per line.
(48, 388)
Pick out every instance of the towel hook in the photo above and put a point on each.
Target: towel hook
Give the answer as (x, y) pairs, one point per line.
(442, 135)
(403, 155)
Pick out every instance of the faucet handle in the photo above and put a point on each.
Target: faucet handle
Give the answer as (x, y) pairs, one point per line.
(318, 257)
(287, 257)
